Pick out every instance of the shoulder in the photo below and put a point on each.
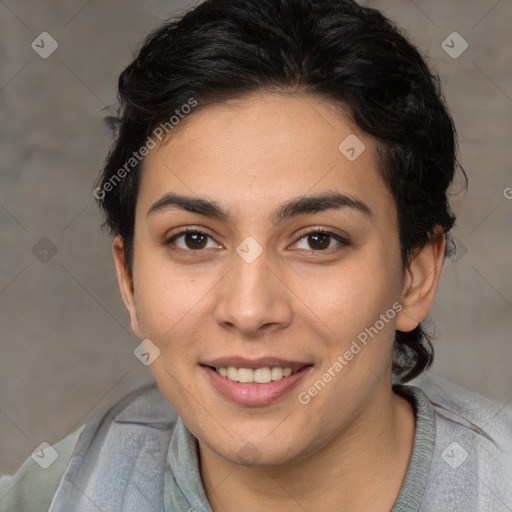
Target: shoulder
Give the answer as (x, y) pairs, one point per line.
(467, 409)
(32, 487)
(120, 455)
(472, 460)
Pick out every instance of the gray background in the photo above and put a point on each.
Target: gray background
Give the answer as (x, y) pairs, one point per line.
(66, 346)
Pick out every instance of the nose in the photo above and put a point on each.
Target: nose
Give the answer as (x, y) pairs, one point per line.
(252, 300)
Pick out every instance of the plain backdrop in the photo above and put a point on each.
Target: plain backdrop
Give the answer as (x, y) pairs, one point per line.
(66, 345)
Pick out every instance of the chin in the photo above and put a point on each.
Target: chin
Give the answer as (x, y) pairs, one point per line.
(256, 450)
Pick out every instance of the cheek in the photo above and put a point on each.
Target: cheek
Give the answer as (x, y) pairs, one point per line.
(169, 300)
(349, 297)
(171, 311)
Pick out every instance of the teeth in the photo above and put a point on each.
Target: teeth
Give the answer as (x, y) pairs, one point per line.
(277, 373)
(245, 375)
(260, 375)
(232, 373)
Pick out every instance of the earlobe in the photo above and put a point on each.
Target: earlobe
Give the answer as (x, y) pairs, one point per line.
(420, 284)
(125, 283)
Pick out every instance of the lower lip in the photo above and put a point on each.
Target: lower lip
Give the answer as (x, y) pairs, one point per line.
(254, 394)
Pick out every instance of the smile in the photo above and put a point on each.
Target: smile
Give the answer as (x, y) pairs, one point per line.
(257, 382)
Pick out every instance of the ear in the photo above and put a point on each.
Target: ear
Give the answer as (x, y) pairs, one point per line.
(421, 280)
(125, 283)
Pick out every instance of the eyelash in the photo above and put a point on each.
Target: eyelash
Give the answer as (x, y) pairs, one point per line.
(169, 241)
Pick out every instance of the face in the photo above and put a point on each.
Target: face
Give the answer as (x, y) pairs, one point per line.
(259, 244)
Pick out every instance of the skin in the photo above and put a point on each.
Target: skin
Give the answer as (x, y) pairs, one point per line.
(349, 447)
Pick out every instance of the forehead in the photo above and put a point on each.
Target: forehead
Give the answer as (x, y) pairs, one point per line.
(254, 152)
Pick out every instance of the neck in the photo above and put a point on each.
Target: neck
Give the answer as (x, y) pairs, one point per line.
(361, 469)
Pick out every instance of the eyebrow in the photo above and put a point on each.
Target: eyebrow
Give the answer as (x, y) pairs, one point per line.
(298, 206)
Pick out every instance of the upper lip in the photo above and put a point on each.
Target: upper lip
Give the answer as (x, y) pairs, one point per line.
(260, 362)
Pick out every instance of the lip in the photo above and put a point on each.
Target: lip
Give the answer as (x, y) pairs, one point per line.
(254, 394)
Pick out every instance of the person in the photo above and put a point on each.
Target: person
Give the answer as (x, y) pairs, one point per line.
(277, 192)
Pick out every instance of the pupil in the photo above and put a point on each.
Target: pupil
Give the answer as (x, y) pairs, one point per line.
(321, 241)
(195, 240)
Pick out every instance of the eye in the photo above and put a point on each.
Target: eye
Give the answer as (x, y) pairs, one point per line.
(318, 240)
(191, 240)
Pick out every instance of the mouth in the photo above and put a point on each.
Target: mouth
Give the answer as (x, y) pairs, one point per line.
(255, 382)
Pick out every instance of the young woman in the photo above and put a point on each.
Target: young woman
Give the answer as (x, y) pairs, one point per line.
(277, 192)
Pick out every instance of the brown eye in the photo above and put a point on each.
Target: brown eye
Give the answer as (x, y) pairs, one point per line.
(195, 240)
(191, 241)
(319, 241)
